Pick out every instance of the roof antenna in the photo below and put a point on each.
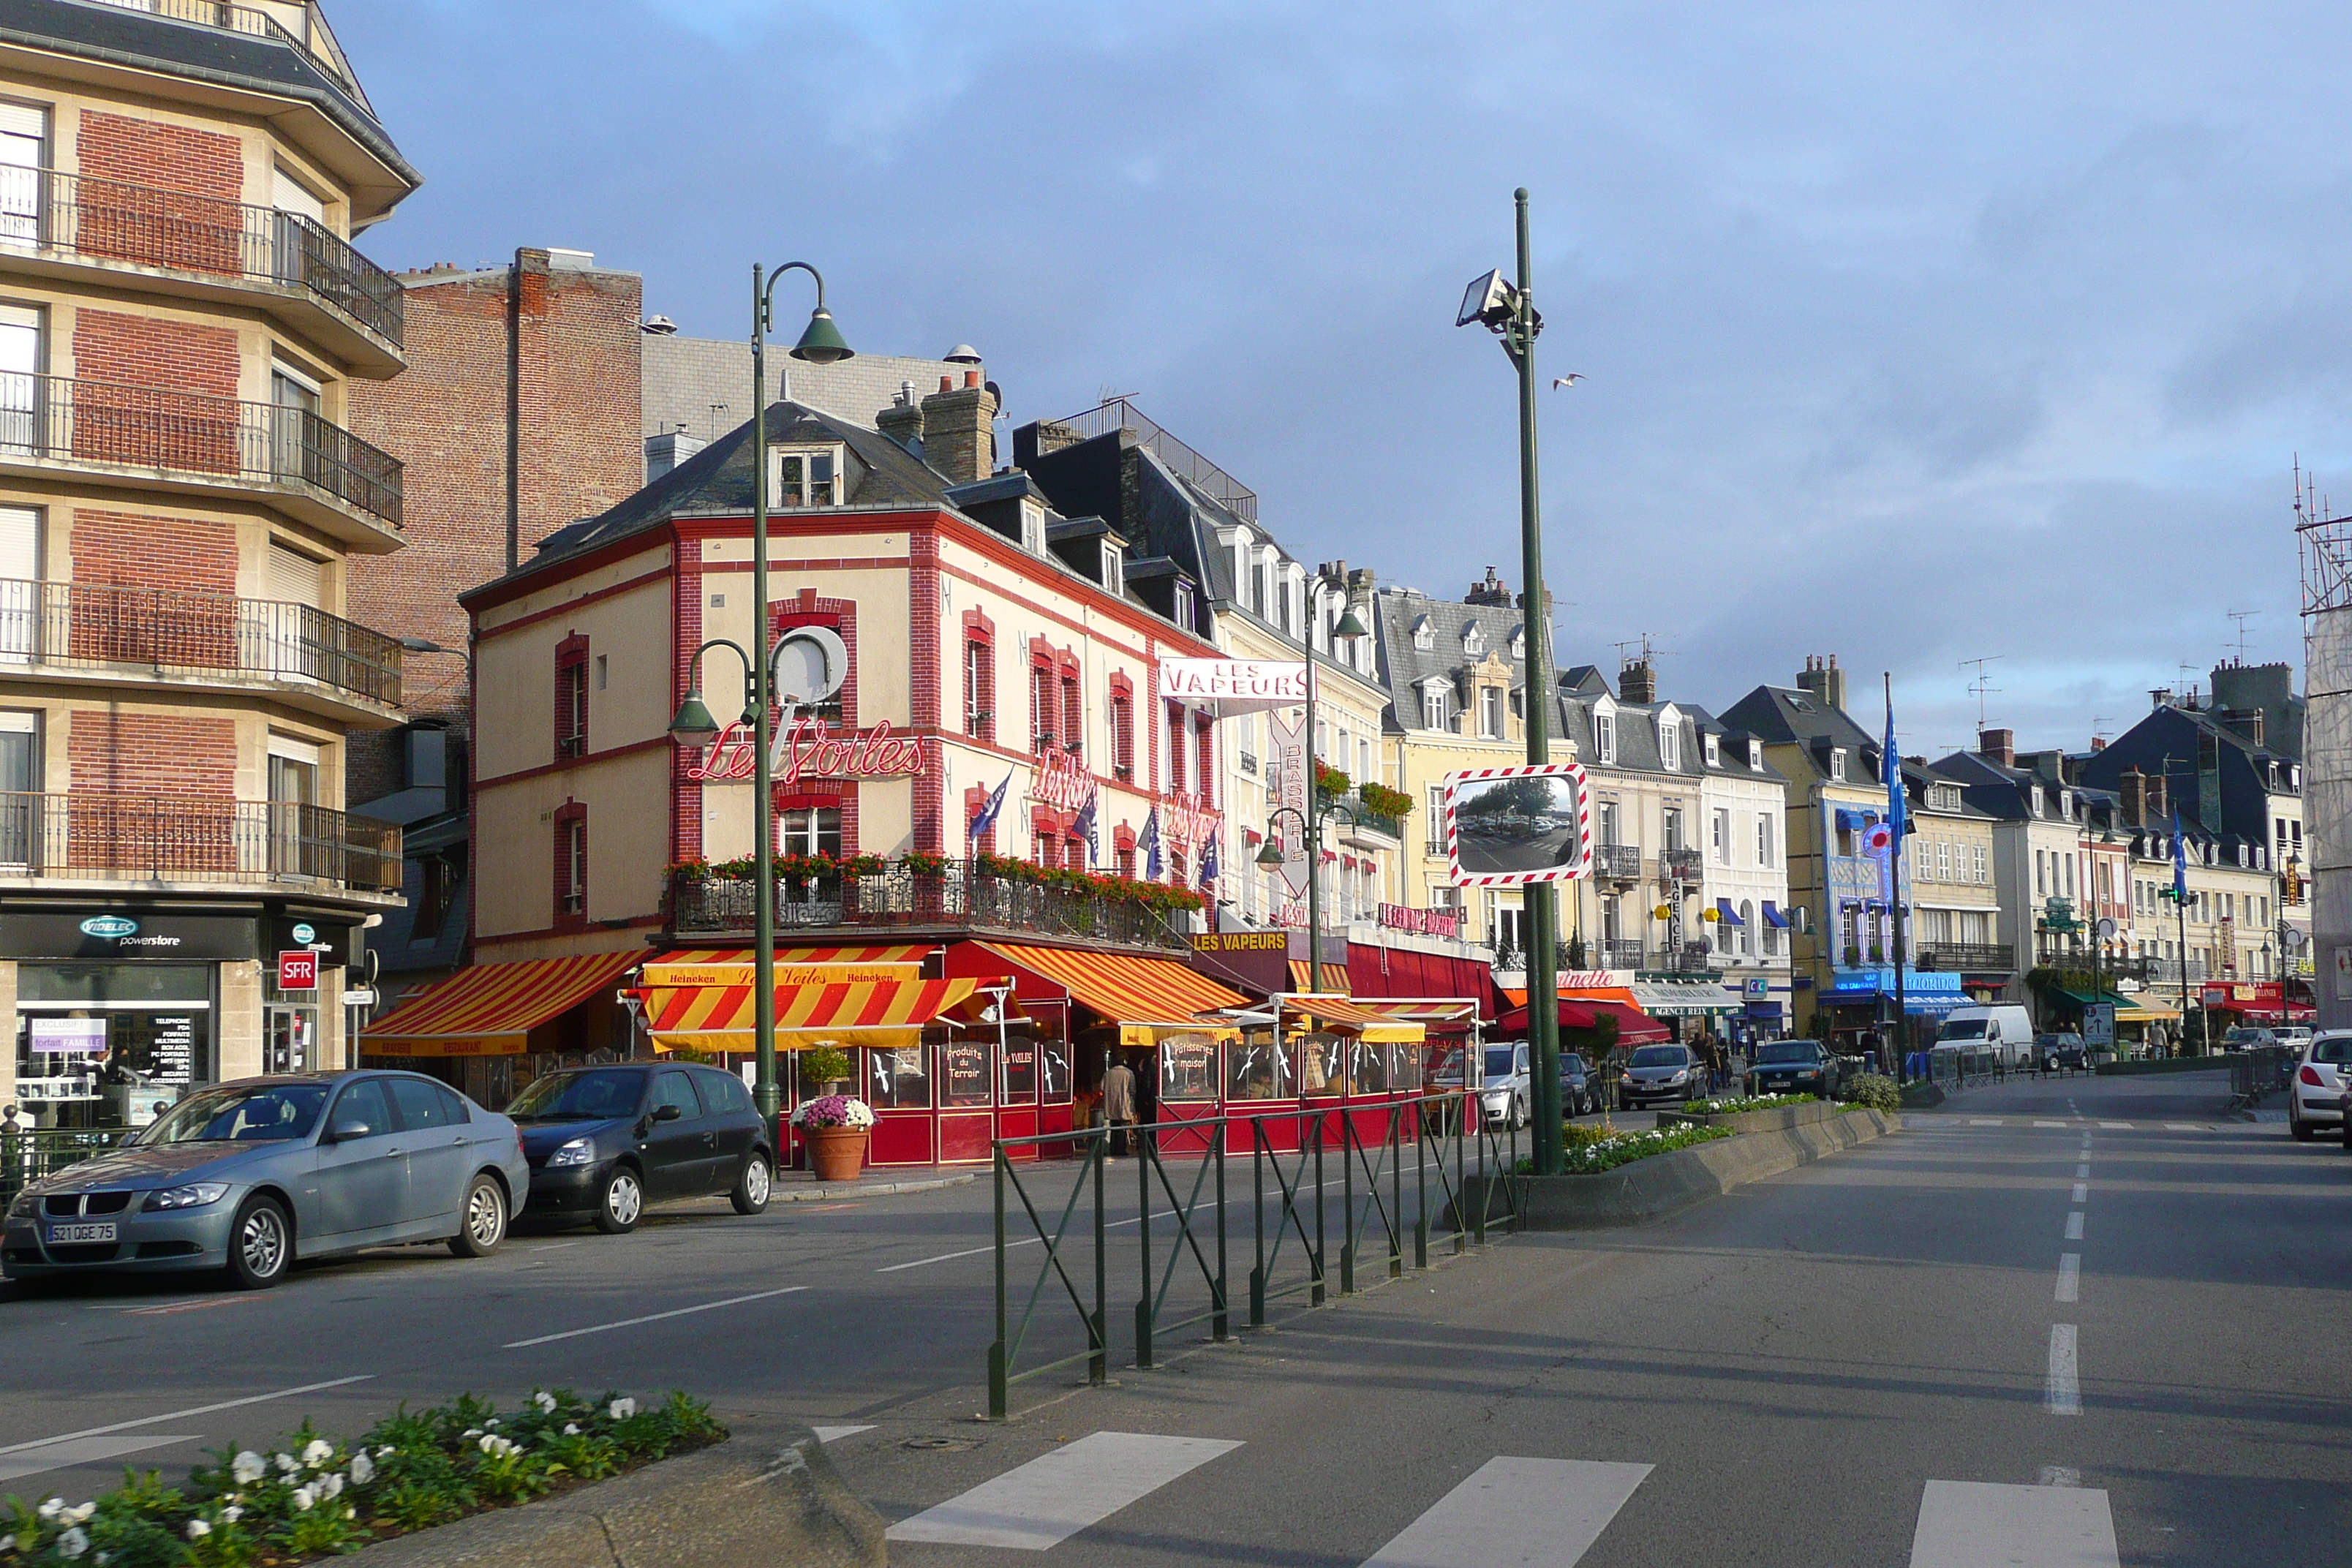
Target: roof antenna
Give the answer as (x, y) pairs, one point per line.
(1980, 688)
(2242, 617)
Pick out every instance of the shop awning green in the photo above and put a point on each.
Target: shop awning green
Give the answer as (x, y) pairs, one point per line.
(2080, 1000)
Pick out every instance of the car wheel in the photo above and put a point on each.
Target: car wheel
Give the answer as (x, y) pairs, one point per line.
(751, 1188)
(260, 1244)
(2304, 1131)
(1519, 1117)
(622, 1202)
(484, 1215)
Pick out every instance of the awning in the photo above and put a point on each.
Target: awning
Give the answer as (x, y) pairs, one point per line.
(1764, 1009)
(880, 1012)
(901, 953)
(1773, 917)
(1725, 913)
(1126, 989)
(2139, 1010)
(491, 1010)
(1335, 977)
(1345, 1017)
(1635, 1027)
(1665, 999)
(1438, 1014)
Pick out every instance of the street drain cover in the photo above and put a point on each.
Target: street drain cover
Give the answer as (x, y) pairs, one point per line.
(937, 1443)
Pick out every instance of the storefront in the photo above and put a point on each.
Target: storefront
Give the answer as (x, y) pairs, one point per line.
(2256, 1003)
(121, 1009)
(491, 1030)
(1860, 1001)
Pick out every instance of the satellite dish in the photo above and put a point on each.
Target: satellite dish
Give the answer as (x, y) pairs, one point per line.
(811, 664)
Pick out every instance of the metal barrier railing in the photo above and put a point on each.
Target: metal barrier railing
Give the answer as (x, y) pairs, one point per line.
(1440, 1130)
(2260, 1070)
(29, 1154)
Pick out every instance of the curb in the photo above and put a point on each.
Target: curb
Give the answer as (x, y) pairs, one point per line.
(868, 1189)
(766, 1495)
(1659, 1185)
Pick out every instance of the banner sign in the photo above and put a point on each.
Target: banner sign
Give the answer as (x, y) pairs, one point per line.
(787, 973)
(1062, 782)
(1186, 820)
(297, 971)
(806, 749)
(1232, 686)
(1444, 922)
(1287, 746)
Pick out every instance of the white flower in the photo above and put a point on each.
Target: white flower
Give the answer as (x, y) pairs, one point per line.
(572, 1428)
(316, 1452)
(8, 1544)
(303, 1498)
(329, 1485)
(350, 1513)
(362, 1469)
(232, 1513)
(545, 1400)
(103, 1559)
(470, 1433)
(73, 1543)
(287, 1463)
(385, 1452)
(198, 1530)
(79, 1514)
(248, 1467)
(51, 1509)
(622, 1409)
(493, 1423)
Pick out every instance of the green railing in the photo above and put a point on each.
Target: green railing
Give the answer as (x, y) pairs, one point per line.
(33, 1155)
(1455, 1200)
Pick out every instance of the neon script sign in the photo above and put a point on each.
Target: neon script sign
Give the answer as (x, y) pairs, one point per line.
(807, 750)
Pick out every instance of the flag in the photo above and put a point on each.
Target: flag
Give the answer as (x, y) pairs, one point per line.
(1890, 764)
(1209, 860)
(2179, 861)
(1152, 846)
(1084, 828)
(988, 813)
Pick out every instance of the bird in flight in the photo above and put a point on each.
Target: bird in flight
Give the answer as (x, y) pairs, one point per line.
(1568, 380)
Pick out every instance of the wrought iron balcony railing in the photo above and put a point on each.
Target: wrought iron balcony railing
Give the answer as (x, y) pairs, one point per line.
(1682, 865)
(1618, 862)
(81, 625)
(108, 221)
(92, 837)
(57, 418)
(314, 43)
(1965, 957)
(1621, 953)
(960, 896)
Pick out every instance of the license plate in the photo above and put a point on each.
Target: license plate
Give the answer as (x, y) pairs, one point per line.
(63, 1235)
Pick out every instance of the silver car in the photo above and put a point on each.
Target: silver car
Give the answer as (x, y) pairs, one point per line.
(247, 1176)
(1654, 1073)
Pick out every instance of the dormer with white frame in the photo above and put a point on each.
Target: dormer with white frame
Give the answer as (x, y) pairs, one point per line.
(1670, 738)
(1604, 731)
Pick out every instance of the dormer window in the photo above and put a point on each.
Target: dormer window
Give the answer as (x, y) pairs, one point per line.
(1670, 746)
(1433, 706)
(2065, 803)
(1114, 568)
(1183, 604)
(1713, 751)
(1605, 736)
(1519, 642)
(806, 476)
(1424, 636)
(1473, 640)
(1756, 755)
(1837, 765)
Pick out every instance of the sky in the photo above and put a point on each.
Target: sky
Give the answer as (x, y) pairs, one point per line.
(1913, 334)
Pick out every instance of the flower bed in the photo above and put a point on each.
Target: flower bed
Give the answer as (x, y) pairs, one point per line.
(311, 1497)
(1732, 1105)
(1592, 1153)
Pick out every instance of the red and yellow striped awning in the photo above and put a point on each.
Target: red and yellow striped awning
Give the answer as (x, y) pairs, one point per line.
(490, 1011)
(1335, 977)
(858, 1010)
(1145, 997)
(1348, 1019)
(903, 952)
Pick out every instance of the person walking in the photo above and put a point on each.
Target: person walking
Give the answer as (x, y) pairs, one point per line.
(1118, 1105)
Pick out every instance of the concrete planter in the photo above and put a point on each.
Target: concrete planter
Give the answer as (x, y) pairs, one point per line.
(766, 1496)
(1778, 1118)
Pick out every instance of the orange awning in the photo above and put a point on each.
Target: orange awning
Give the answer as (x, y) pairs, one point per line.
(902, 953)
(1350, 1018)
(1124, 989)
(490, 1011)
(1335, 977)
(1518, 996)
(884, 1013)
(1422, 1010)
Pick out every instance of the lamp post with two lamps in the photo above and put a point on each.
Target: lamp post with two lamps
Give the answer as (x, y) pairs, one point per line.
(820, 343)
(1310, 820)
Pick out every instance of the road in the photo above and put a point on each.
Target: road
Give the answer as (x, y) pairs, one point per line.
(1845, 1364)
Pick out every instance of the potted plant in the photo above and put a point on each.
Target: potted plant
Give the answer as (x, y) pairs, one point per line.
(834, 1128)
(827, 1065)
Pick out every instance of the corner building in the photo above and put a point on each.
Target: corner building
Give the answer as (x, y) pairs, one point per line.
(182, 320)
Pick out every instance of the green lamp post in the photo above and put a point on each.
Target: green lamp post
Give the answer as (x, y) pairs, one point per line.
(1310, 821)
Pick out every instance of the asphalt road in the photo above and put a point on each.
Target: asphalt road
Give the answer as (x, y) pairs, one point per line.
(1829, 1367)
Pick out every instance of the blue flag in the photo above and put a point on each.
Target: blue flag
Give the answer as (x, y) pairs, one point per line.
(988, 813)
(1208, 861)
(1084, 829)
(1890, 767)
(2179, 860)
(1152, 846)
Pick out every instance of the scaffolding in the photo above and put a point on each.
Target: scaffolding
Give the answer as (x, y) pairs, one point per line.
(2324, 547)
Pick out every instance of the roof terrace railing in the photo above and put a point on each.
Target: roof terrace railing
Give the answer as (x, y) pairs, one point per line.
(1119, 414)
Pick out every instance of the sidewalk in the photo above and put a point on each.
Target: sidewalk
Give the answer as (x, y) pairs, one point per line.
(801, 1187)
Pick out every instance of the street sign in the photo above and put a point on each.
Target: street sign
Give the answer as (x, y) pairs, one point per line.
(359, 997)
(2099, 1025)
(297, 971)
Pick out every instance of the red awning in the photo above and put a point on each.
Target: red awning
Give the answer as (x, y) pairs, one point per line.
(1635, 1027)
(1375, 971)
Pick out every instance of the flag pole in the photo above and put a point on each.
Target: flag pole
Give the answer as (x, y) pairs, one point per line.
(1894, 765)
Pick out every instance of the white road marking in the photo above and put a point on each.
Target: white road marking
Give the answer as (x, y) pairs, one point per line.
(1972, 1524)
(2063, 1394)
(2081, 1193)
(648, 1318)
(2060, 1476)
(2184, 1127)
(2050, 1124)
(1512, 1513)
(1045, 1502)
(2123, 1126)
(835, 1434)
(2070, 1277)
(554, 1246)
(1984, 1121)
(82, 1451)
(192, 1410)
(966, 1252)
(2075, 1226)
(2082, 1171)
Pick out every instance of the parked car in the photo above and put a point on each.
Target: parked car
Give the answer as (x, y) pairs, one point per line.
(2315, 1096)
(605, 1142)
(2296, 1035)
(2246, 1038)
(1505, 1091)
(2060, 1051)
(1655, 1073)
(253, 1175)
(2003, 1026)
(1794, 1067)
(1579, 1096)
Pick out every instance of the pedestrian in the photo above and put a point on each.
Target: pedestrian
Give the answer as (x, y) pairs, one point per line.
(1118, 1105)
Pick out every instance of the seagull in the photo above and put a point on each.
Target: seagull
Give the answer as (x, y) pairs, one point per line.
(1568, 380)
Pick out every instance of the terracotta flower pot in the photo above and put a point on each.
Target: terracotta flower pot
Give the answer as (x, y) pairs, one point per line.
(835, 1153)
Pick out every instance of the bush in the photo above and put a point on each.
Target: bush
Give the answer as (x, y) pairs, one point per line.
(310, 1498)
(1586, 1155)
(824, 1064)
(1734, 1104)
(1875, 1092)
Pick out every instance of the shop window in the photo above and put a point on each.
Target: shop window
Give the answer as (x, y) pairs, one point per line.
(1188, 1068)
(571, 698)
(979, 689)
(1257, 1069)
(895, 1079)
(571, 862)
(1054, 1070)
(1017, 1073)
(106, 1044)
(967, 1072)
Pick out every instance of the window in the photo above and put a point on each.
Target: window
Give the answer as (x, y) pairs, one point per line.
(23, 139)
(805, 477)
(1424, 639)
(1433, 706)
(571, 698)
(437, 894)
(1764, 839)
(1519, 642)
(1611, 830)
(1175, 728)
(1490, 712)
(979, 689)
(1670, 745)
(1978, 853)
(809, 830)
(1114, 568)
(1437, 820)
(1072, 735)
(571, 862)
(1719, 830)
(1604, 737)
(1756, 756)
(1837, 765)
(1714, 744)
(1747, 928)
(1473, 640)
(2040, 873)
(1674, 825)
(1122, 733)
(1943, 862)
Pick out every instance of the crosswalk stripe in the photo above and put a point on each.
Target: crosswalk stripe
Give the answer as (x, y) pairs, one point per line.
(2070, 1277)
(1045, 1501)
(2184, 1127)
(2075, 1226)
(2124, 1126)
(1512, 1514)
(2082, 1192)
(2063, 1392)
(1984, 1121)
(1975, 1524)
(2050, 1124)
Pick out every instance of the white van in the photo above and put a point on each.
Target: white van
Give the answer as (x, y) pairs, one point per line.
(2006, 1026)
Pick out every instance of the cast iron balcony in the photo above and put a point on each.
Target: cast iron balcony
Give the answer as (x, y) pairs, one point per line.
(960, 896)
(1966, 958)
(192, 442)
(208, 248)
(1624, 952)
(90, 836)
(320, 661)
(1617, 862)
(1681, 865)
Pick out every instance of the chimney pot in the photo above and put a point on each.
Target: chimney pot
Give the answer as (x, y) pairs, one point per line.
(972, 378)
(947, 384)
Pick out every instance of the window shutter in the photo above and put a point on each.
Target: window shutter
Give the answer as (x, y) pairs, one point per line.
(290, 195)
(20, 543)
(295, 578)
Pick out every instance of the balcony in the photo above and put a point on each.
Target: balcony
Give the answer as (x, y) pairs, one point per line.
(190, 443)
(313, 661)
(960, 898)
(139, 841)
(2174, 972)
(1681, 865)
(1691, 958)
(1966, 958)
(1621, 953)
(1361, 827)
(194, 247)
(1617, 862)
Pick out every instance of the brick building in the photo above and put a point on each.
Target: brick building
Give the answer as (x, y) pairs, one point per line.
(183, 329)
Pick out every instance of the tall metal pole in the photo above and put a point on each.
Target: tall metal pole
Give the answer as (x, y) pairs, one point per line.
(766, 1092)
(1895, 875)
(1311, 823)
(1543, 980)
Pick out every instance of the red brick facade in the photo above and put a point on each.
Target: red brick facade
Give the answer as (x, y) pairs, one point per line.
(133, 550)
(144, 351)
(171, 755)
(166, 157)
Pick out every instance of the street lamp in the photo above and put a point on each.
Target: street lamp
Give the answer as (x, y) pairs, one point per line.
(1310, 821)
(1507, 310)
(820, 342)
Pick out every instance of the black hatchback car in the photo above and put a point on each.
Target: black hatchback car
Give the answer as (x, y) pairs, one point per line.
(1794, 1067)
(604, 1141)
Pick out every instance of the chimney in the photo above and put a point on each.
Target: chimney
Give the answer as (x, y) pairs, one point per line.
(2243, 722)
(1492, 591)
(2098, 742)
(2157, 813)
(959, 430)
(1637, 681)
(1825, 679)
(903, 420)
(1997, 745)
(2134, 789)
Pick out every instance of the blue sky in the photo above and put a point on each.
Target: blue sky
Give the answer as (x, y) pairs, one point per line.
(1913, 334)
